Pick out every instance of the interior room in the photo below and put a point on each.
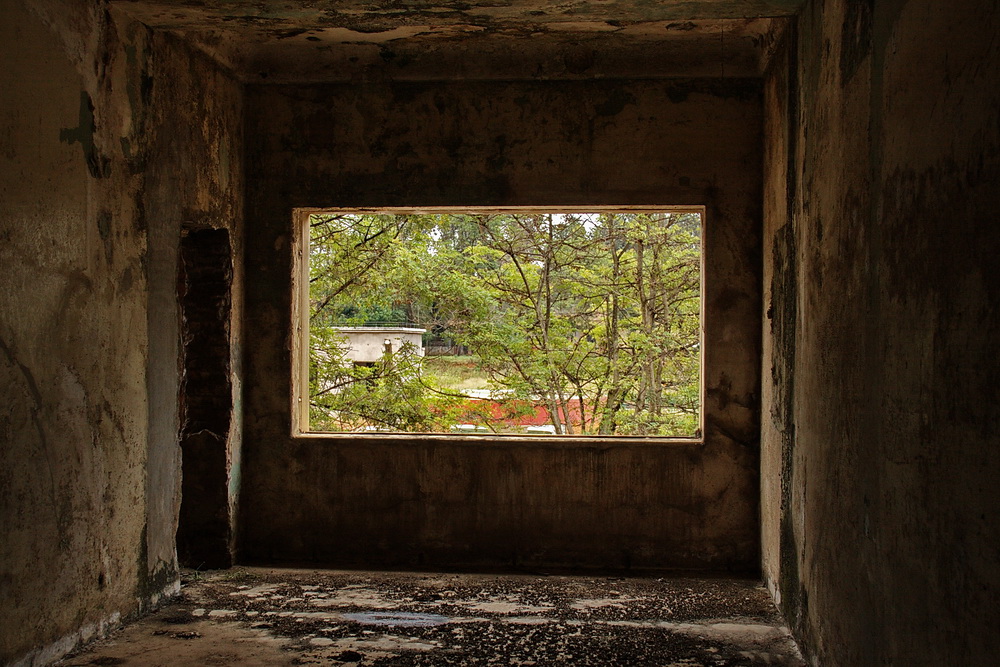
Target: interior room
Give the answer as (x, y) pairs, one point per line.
(156, 155)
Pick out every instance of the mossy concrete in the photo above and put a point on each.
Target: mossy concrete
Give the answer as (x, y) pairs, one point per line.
(880, 434)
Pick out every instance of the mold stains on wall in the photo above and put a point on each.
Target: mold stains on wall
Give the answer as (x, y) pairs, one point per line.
(97, 164)
(441, 502)
(856, 37)
(89, 483)
(615, 103)
(880, 312)
(441, 42)
(193, 180)
(71, 486)
(138, 76)
(783, 313)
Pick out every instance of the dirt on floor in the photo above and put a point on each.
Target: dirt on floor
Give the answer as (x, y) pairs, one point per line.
(263, 617)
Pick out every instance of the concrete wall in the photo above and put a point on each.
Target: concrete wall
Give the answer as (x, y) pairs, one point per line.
(454, 502)
(367, 344)
(195, 182)
(880, 447)
(72, 312)
(89, 460)
(780, 307)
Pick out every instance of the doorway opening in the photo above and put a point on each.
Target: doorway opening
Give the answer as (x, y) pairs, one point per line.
(205, 276)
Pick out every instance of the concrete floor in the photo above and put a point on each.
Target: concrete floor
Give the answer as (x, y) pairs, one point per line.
(264, 617)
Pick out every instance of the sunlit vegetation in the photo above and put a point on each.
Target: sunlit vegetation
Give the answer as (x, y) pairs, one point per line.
(587, 322)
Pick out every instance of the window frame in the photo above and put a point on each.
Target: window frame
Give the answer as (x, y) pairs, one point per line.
(300, 344)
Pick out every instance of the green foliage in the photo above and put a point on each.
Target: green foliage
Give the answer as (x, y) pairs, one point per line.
(592, 315)
(388, 395)
(455, 372)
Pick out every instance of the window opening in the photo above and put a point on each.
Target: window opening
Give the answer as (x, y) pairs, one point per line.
(563, 322)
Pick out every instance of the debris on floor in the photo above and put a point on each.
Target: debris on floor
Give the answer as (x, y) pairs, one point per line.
(264, 617)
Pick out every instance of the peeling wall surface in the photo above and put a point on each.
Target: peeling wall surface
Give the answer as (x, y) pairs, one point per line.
(88, 321)
(880, 449)
(453, 502)
(269, 41)
(195, 182)
(780, 303)
(72, 331)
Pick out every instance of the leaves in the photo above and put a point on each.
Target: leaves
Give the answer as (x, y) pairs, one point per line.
(594, 316)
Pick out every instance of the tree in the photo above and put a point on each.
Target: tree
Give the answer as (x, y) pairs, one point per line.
(357, 276)
(596, 316)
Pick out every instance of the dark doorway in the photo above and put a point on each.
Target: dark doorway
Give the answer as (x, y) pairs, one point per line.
(204, 534)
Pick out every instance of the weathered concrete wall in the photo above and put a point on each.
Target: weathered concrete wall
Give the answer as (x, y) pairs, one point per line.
(88, 462)
(195, 181)
(72, 326)
(453, 502)
(780, 303)
(881, 456)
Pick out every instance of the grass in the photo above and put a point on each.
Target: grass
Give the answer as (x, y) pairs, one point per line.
(456, 373)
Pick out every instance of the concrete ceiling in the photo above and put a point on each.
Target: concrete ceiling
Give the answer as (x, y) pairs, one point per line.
(331, 40)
